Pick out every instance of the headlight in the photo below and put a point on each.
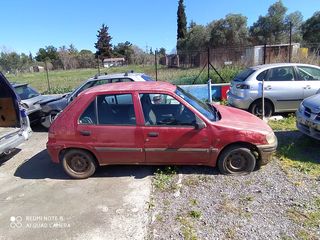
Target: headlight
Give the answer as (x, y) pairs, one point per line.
(301, 108)
(271, 138)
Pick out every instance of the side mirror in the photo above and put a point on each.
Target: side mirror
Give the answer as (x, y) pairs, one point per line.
(199, 124)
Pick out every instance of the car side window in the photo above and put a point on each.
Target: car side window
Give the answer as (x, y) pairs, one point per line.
(164, 110)
(88, 117)
(262, 75)
(308, 73)
(115, 80)
(280, 74)
(115, 109)
(101, 82)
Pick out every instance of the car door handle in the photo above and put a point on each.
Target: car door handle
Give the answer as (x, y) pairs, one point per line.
(307, 87)
(268, 87)
(153, 134)
(85, 133)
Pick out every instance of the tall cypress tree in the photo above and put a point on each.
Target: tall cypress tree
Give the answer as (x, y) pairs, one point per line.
(182, 21)
(103, 45)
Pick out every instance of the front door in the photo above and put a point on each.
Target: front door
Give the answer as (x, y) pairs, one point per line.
(169, 132)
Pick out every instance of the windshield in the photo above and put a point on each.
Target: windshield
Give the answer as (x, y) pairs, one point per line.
(147, 78)
(244, 75)
(26, 92)
(205, 109)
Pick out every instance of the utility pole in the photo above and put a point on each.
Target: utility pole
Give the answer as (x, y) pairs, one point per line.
(47, 74)
(290, 40)
(156, 63)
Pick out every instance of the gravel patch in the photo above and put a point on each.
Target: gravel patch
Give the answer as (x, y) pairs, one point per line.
(267, 204)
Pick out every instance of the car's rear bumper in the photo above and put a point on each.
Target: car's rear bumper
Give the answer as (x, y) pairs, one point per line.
(238, 102)
(266, 152)
(308, 126)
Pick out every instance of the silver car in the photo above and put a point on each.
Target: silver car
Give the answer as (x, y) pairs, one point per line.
(285, 86)
(14, 123)
(308, 116)
(33, 100)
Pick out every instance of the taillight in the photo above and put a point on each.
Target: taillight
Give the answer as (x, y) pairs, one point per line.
(242, 86)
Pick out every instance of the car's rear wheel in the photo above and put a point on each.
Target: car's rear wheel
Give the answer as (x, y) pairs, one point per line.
(78, 163)
(236, 160)
(256, 108)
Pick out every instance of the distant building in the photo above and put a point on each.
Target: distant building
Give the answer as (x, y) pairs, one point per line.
(274, 53)
(113, 62)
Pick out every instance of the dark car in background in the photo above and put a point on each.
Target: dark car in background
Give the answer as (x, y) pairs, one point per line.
(52, 108)
(33, 101)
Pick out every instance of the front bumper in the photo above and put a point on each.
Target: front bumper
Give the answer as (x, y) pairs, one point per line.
(266, 152)
(308, 126)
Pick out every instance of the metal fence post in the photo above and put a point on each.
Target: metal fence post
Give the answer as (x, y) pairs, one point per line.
(209, 91)
(156, 63)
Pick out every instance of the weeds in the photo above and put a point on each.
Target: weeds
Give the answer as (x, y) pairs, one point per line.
(163, 179)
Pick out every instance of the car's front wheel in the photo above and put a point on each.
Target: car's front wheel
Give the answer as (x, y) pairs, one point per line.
(236, 160)
(78, 163)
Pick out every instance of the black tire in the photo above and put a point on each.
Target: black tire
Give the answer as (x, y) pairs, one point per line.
(256, 108)
(236, 160)
(46, 122)
(78, 163)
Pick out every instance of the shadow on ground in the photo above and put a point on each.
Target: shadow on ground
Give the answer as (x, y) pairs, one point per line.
(41, 167)
(298, 147)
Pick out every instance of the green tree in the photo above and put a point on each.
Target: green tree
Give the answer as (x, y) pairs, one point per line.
(103, 45)
(197, 37)
(181, 21)
(296, 20)
(48, 53)
(86, 59)
(272, 27)
(124, 50)
(311, 29)
(162, 51)
(230, 31)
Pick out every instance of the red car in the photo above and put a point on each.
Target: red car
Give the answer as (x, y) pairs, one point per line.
(155, 123)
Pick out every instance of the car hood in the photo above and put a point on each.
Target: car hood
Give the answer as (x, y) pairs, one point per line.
(240, 119)
(313, 103)
(41, 99)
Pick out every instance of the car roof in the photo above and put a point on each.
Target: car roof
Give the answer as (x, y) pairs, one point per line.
(152, 86)
(271, 65)
(115, 75)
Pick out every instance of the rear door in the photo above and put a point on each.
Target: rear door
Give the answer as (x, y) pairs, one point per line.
(283, 88)
(109, 123)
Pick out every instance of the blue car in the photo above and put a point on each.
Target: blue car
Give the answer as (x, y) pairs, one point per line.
(14, 122)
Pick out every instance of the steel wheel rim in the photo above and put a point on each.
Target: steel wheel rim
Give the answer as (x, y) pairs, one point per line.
(237, 162)
(78, 163)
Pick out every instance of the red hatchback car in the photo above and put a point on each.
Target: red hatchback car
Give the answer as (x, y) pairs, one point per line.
(155, 123)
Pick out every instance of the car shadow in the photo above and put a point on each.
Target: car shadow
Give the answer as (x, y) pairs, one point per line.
(38, 128)
(40, 167)
(297, 146)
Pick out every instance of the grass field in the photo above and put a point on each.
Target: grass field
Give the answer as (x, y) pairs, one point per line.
(64, 81)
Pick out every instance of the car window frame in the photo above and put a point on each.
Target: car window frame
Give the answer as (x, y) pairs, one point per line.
(164, 125)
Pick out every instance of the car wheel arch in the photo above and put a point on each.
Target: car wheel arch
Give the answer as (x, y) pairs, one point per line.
(248, 145)
(65, 150)
(266, 100)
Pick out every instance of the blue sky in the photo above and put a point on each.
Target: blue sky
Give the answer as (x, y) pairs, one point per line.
(29, 25)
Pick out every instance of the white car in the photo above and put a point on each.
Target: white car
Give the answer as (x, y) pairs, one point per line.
(14, 122)
(51, 109)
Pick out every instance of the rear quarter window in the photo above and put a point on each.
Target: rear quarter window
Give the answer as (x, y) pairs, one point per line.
(242, 76)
